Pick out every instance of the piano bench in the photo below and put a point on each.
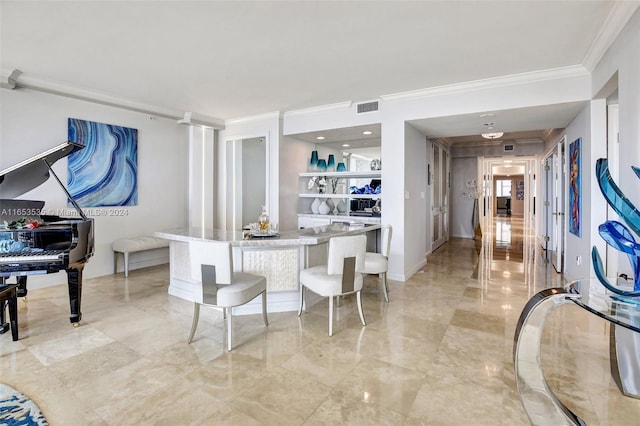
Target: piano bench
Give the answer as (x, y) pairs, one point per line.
(8, 294)
(133, 245)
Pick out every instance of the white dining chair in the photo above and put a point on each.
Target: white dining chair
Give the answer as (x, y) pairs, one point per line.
(218, 285)
(340, 276)
(378, 263)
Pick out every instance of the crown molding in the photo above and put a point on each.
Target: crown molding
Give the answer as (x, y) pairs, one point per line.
(251, 118)
(491, 83)
(618, 17)
(15, 79)
(319, 109)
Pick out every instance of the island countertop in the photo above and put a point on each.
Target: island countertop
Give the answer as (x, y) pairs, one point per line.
(301, 237)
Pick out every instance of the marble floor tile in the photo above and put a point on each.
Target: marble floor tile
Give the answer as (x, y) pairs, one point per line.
(440, 353)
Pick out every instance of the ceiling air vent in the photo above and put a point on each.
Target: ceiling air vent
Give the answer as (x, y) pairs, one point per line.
(367, 107)
(508, 148)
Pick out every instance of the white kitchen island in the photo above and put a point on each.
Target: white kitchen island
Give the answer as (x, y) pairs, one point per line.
(278, 258)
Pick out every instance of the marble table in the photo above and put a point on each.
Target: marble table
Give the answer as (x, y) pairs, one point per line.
(540, 403)
(278, 258)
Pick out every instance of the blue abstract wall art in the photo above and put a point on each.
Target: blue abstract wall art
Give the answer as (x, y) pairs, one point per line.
(105, 172)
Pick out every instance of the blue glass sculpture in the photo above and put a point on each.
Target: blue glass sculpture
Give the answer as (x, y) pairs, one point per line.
(331, 163)
(341, 167)
(313, 163)
(322, 165)
(616, 234)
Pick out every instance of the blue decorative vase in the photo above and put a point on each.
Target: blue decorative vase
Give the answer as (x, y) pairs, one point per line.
(322, 165)
(313, 163)
(331, 164)
(341, 167)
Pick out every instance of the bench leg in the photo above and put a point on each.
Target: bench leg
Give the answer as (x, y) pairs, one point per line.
(115, 262)
(126, 265)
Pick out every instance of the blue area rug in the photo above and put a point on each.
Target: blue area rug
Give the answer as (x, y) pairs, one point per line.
(17, 409)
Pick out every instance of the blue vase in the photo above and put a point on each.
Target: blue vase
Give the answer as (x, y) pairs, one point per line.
(341, 167)
(313, 163)
(322, 165)
(331, 164)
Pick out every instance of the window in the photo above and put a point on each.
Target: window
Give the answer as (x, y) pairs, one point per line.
(503, 188)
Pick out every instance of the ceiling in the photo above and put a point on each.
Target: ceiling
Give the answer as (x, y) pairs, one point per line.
(230, 59)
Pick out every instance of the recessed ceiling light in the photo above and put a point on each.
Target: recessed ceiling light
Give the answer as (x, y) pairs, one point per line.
(508, 161)
(320, 138)
(345, 145)
(489, 114)
(367, 132)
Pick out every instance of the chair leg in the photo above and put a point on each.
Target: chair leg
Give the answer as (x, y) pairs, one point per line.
(301, 299)
(194, 324)
(383, 282)
(126, 265)
(264, 307)
(360, 308)
(330, 316)
(229, 328)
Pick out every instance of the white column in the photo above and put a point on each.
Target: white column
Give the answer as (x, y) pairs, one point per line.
(201, 173)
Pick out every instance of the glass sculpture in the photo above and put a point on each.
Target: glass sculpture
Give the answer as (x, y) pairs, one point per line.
(617, 234)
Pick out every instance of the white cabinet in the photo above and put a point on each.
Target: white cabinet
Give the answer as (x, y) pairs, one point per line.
(308, 221)
(343, 181)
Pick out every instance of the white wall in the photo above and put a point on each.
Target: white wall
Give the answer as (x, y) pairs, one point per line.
(588, 125)
(32, 122)
(463, 169)
(415, 209)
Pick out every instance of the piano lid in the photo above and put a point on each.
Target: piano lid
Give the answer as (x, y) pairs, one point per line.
(32, 172)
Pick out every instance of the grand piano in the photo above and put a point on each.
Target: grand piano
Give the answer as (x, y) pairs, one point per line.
(32, 242)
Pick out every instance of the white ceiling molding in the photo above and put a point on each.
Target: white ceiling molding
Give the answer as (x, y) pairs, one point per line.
(615, 22)
(491, 83)
(257, 117)
(319, 109)
(17, 80)
(195, 119)
(10, 81)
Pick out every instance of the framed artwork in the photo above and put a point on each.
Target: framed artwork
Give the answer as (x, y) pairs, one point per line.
(105, 172)
(575, 187)
(520, 190)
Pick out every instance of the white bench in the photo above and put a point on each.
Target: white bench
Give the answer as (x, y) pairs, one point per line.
(133, 245)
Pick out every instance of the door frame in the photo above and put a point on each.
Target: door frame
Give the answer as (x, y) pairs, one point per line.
(440, 212)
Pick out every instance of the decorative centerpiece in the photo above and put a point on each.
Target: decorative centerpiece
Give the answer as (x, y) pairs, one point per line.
(472, 191)
(617, 235)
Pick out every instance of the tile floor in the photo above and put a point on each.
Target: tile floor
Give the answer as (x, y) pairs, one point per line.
(439, 354)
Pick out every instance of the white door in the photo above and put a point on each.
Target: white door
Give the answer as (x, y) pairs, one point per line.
(547, 210)
(557, 258)
(440, 196)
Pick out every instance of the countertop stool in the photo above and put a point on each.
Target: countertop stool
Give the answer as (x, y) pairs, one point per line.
(8, 295)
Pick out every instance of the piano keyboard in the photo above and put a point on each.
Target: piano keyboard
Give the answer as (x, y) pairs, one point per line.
(44, 256)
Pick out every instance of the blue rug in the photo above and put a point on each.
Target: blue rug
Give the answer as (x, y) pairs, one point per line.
(17, 409)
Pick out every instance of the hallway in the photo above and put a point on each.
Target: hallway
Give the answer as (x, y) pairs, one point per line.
(440, 353)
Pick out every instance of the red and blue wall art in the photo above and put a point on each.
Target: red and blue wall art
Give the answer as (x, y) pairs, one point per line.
(575, 187)
(105, 172)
